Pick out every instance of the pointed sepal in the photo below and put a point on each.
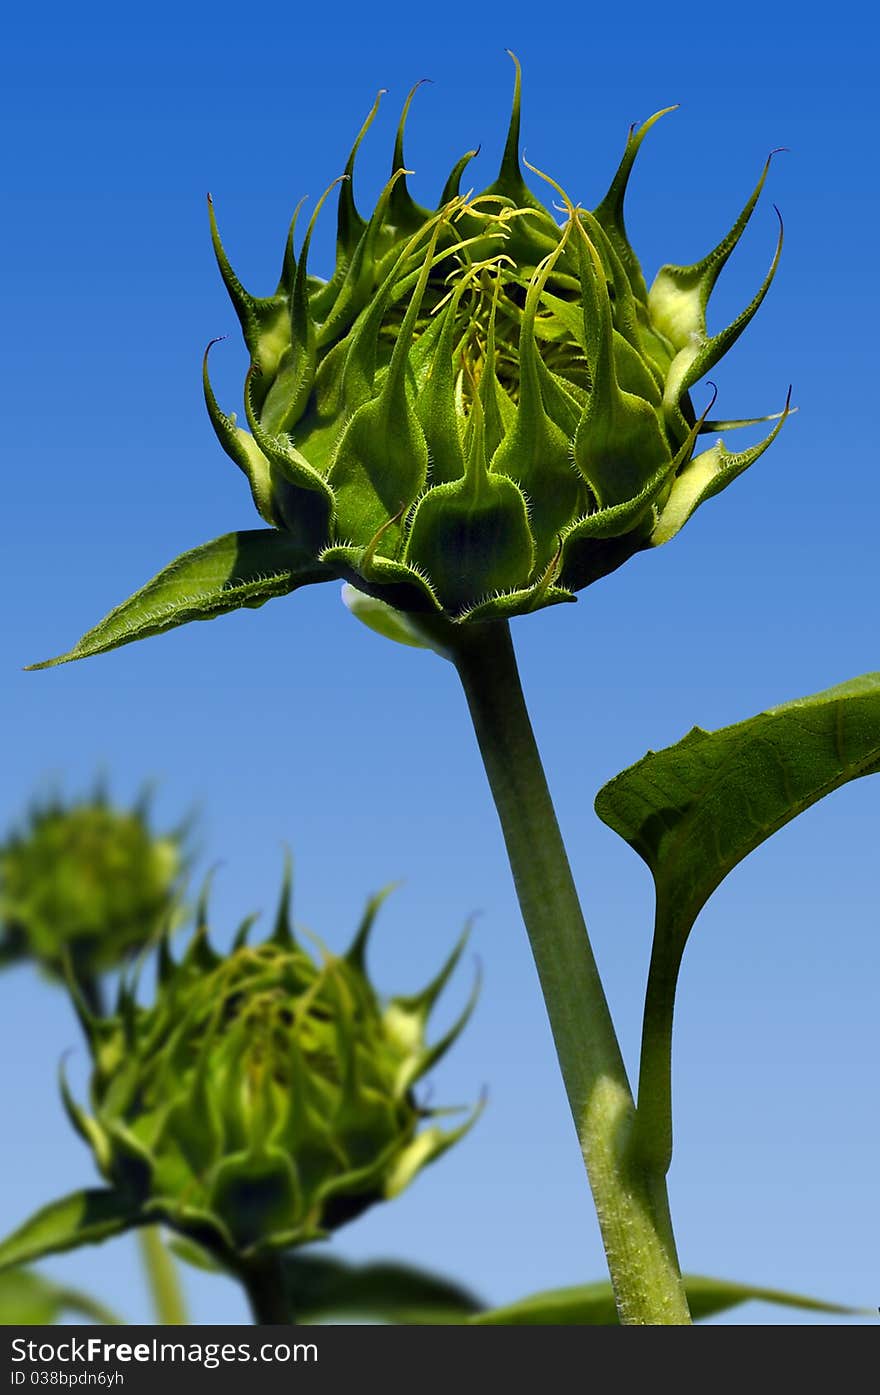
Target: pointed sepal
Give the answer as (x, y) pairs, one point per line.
(680, 295)
(509, 182)
(426, 1148)
(429, 1056)
(405, 214)
(420, 1005)
(609, 213)
(350, 226)
(282, 932)
(705, 475)
(263, 319)
(356, 954)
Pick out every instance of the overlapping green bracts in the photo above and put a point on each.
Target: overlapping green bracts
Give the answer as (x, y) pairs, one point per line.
(481, 412)
(87, 884)
(265, 1098)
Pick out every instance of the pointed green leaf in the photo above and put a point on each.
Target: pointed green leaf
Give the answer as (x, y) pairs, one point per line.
(235, 570)
(593, 1304)
(82, 1218)
(696, 809)
(31, 1300)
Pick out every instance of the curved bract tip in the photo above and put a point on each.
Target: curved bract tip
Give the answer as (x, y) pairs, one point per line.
(349, 223)
(356, 953)
(509, 181)
(610, 214)
(282, 933)
(404, 211)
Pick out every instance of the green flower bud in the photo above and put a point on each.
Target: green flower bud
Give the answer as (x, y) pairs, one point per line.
(87, 884)
(481, 412)
(264, 1099)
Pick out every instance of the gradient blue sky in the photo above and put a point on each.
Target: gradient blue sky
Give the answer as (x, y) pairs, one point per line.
(292, 723)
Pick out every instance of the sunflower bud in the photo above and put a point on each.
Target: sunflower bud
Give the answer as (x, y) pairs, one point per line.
(265, 1098)
(87, 884)
(481, 411)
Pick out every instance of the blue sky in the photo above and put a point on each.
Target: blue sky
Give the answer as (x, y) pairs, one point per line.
(294, 724)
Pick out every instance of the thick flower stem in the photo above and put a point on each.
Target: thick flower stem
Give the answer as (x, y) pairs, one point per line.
(630, 1198)
(264, 1283)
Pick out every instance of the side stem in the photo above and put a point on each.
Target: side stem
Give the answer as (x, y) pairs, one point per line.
(653, 1138)
(164, 1281)
(630, 1198)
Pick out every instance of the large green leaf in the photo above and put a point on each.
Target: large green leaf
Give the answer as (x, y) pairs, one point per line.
(593, 1304)
(235, 570)
(696, 809)
(30, 1300)
(83, 1218)
(324, 1289)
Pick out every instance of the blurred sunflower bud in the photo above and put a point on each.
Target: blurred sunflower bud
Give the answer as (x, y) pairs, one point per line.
(264, 1099)
(481, 412)
(87, 884)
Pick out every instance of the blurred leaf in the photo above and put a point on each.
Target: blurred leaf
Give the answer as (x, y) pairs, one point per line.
(196, 1255)
(235, 570)
(593, 1304)
(83, 1218)
(323, 1289)
(30, 1300)
(696, 809)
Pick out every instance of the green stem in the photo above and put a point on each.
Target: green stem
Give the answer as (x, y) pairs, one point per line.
(264, 1283)
(653, 1137)
(169, 1304)
(630, 1198)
